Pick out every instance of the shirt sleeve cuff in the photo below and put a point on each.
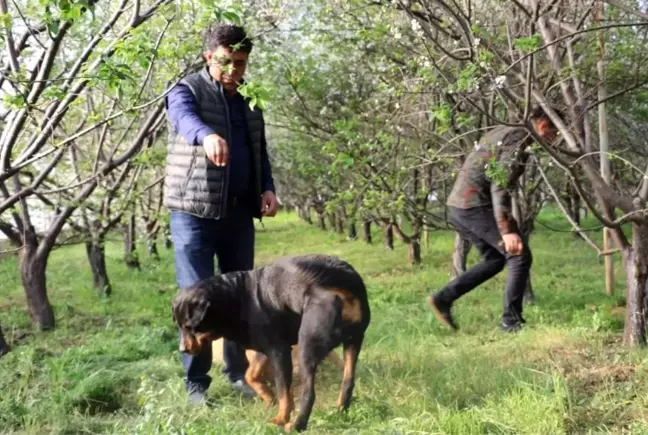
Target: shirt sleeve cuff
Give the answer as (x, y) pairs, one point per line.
(202, 134)
(269, 186)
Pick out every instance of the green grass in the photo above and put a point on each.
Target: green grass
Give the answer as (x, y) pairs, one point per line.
(112, 366)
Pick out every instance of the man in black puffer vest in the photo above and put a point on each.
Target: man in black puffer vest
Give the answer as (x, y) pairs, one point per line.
(218, 178)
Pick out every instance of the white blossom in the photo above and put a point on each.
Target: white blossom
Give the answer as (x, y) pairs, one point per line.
(416, 28)
(476, 42)
(499, 81)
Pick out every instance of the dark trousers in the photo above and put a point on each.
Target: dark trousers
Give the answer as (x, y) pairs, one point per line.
(478, 226)
(196, 241)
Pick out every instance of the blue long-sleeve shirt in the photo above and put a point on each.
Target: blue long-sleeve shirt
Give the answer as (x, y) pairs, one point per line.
(182, 110)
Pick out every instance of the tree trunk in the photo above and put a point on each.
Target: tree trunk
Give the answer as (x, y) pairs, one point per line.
(300, 213)
(459, 256)
(575, 206)
(321, 221)
(414, 250)
(307, 216)
(608, 262)
(567, 198)
(32, 272)
(572, 203)
(389, 237)
(130, 247)
(152, 229)
(366, 232)
(353, 232)
(635, 261)
(526, 229)
(97, 258)
(332, 221)
(339, 222)
(168, 242)
(4, 346)
(151, 247)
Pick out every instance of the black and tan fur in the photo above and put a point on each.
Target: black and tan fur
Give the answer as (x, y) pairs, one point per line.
(315, 301)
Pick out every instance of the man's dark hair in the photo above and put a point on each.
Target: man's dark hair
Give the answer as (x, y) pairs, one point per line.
(230, 36)
(538, 113)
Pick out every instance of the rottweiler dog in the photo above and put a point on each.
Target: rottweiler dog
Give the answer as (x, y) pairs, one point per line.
(315, 301)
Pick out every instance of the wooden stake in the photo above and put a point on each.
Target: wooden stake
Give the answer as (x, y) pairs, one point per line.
(604, 143)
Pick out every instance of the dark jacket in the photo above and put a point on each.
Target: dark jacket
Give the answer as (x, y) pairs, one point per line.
(490, 172)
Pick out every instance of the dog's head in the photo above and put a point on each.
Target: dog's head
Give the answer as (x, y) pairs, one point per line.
(192, 312)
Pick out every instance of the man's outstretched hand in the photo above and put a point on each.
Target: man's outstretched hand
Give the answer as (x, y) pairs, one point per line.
(269, 204)
(216, 149)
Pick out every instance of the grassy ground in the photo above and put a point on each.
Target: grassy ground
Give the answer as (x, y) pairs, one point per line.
(112, 366)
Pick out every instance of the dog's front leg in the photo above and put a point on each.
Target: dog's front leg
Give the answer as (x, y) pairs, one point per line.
(281, 361)
(254, 376)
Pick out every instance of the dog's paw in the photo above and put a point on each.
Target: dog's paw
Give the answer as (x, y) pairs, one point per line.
(295, 426)
(269, 400)
(279, 421)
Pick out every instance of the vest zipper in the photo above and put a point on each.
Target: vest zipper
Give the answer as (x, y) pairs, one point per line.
(225, 187)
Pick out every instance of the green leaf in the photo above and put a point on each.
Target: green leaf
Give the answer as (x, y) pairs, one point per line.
(53, 27)
(347, 160)
(5, 21)
(231, 16)
(527, 44)
(53, 93)
(14, 101)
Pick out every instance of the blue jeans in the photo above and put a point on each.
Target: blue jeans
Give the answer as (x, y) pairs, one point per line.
(196, 241)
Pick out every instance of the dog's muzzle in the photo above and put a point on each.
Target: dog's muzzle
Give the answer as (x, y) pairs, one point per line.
(193, 343)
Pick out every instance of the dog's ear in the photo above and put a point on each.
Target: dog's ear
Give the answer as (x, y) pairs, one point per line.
(196, 312)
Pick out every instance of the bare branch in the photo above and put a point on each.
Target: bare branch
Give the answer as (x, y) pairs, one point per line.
(627, 9)
(571, 35)
(565, 212)
(15, 169)
(49, 239)
(11, 48)
(13, 235)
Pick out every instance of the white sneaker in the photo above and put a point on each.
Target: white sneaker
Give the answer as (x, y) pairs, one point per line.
(242, 387)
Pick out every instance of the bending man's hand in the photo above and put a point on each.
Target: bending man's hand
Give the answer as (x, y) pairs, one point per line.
(512, 243)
